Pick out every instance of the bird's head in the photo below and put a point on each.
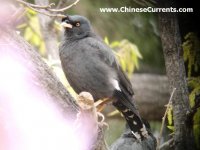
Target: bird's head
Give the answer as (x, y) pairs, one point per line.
(76, 26)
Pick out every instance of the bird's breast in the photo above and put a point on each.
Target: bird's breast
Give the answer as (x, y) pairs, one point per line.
(86, 72)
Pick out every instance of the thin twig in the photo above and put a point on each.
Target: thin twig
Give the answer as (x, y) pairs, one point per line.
(164, 117)
(46, 13)
(60, 4)
(169, 144)
(63, 9)
(37, 8)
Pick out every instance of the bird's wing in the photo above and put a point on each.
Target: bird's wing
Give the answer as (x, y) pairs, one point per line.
(106, 54)
(124, 100)
(124, 81)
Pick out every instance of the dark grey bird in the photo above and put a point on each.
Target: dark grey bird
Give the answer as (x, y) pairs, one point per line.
(90, 65)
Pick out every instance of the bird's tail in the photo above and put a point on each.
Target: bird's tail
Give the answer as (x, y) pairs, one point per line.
(126, 106)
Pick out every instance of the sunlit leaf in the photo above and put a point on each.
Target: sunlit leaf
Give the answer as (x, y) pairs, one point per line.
(34, 23)
(28, 33)
(106, 40)
(136, 50)
(191, 48)
(170, 115)
(57, 26)
(171, 127)
(129, 55)
(123, 64)
(196, 127)
(30, 11)
(36, 40)
(114, 44)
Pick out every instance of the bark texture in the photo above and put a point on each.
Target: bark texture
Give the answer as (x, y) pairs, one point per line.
(43, 76)
(172, 49)
(45, 79)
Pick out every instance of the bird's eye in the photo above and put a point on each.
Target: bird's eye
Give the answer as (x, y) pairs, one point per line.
(78, 24)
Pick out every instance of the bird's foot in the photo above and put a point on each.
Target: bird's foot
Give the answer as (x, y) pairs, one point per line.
(100, 104)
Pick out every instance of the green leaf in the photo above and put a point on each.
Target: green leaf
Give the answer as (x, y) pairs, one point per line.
(28, 33)
(136, 51)
(30, 11)
(34, 23)
(106, 40)
(196, 127)
(171, 128)
(169, 115)
(130, 54)
(114, 44)
(123, 64)
(36, 40)
(192, 96)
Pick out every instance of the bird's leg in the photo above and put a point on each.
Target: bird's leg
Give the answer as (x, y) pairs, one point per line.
(100, 104)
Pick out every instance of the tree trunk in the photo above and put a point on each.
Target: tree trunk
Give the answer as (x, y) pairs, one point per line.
(45, 80)
(171, 41)
(44, 77)
(48, 32)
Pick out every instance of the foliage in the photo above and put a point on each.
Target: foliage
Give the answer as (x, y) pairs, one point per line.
(31, 31)
(194, 85)
(127, 54)
(196, 127)
(191, 48)
(191, 53)
(170, 118)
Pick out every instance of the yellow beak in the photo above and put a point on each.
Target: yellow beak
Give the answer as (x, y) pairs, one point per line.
(66, 25)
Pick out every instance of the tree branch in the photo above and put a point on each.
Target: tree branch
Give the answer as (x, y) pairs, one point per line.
(168, 145)
(46, 81)
(175, 69)
(35, 6)
(48, 8)
(46, 13)
(65, 8)
(88, 124)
